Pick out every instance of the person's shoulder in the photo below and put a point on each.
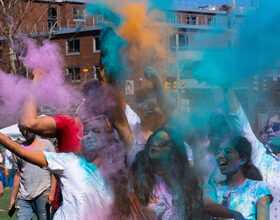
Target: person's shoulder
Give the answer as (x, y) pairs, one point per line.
(255, 184)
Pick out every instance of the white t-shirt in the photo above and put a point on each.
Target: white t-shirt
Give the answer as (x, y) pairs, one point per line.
(8, 159)
(268, 164)
(133, 119)
(243, 198)
(84, 192)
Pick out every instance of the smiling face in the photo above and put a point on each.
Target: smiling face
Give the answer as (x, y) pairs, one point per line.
(228, 160)
(160, 146)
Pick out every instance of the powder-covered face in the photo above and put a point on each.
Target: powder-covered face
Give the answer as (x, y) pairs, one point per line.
(228, 160)
(149, 112)
(160, 146)
(96, 130)
(272, 134)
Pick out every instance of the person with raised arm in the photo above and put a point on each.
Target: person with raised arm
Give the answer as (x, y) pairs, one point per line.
(242, 195)
(86, 194)
(266, 157)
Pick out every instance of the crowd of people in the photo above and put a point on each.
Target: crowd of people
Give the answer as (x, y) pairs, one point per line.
(144, 160)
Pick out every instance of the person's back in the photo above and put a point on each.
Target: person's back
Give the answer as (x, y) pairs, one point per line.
(85, 195)
(34, 181)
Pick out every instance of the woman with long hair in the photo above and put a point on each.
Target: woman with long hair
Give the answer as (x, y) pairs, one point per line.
(242, 195)
(163, 181)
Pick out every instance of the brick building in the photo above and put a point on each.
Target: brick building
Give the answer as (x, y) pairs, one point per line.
(65, 23)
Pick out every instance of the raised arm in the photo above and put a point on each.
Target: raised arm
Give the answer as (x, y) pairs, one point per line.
(119, 120)
(231, 100)
(44, 126)
(163, 98)
(263, 206)
(35, 157)
(216, 210)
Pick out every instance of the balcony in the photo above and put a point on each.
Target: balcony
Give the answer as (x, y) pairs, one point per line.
(62, 26)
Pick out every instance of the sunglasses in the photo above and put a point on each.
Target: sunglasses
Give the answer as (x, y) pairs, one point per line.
(276, 126)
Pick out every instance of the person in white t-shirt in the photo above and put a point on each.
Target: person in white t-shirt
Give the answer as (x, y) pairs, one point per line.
(9, 164)
(85, 192)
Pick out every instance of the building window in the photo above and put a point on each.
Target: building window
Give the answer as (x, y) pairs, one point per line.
(52, 18)
(96, 45)
(78, 13)
(73, 46)
(183, 41)
(74, 73)
(209, 21)
(192, 19)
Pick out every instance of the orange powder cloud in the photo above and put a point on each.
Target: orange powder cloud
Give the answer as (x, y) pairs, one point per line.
(146, 34)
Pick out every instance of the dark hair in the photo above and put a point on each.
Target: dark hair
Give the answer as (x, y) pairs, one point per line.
(244, 149)
(187, 197)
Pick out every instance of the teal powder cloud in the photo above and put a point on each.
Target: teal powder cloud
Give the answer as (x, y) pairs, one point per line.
(257, 47)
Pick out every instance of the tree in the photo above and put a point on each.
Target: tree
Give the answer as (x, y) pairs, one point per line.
(14, 16)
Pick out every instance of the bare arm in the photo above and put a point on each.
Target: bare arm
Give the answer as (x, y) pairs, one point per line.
(216, 210)
(52, 191)
(231, 100)
(1, 189)
(15, 189)
(263, 206)
(44, 126)
(118, 118)
(35, 157)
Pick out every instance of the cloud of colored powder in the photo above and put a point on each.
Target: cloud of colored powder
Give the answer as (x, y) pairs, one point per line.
(142, 31)
(50, 90)
(255, 48)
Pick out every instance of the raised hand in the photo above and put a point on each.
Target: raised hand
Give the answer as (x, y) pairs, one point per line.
(151, 73)
(38, 74)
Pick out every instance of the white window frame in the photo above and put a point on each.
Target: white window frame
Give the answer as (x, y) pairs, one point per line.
(56, 17)
(66, 47)
(190, 21)
(94, 45)
(186, 41)
(68, 73)
(79, 8)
